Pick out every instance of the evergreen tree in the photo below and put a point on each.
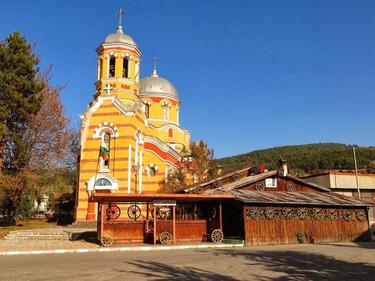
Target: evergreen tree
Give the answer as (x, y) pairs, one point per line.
(27, 204)
(20, 89)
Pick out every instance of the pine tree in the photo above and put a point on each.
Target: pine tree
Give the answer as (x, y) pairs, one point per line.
(20, 90)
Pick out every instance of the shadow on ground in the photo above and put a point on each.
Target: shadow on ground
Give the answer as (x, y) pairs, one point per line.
(160, 271)
(87, 236)
(293, 265)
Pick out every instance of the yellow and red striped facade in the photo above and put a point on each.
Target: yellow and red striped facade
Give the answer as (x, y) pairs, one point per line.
(144, 147)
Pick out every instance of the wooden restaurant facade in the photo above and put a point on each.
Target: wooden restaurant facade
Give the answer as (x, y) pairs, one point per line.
(159, 218)
(259, 207)
(277, 208)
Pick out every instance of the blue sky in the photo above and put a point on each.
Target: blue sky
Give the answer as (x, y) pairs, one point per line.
(250, 74)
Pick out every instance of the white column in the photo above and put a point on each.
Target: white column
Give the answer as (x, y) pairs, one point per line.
(140, 171)
(136, 151)
(129, 168)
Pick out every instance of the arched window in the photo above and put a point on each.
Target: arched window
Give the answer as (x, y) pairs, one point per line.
(125, 68)
(112, 66)
(152, 172)
(170, 133)
(147, 110)
(105, 147)
(102, 182)
(166, 112)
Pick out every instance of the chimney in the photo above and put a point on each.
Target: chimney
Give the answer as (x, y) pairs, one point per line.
(283, 170)
(261, 168)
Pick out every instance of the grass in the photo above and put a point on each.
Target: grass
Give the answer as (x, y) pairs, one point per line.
(25, 225)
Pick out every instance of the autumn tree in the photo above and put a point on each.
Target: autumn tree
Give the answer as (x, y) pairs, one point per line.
(197, 164)
(34, 134)
(202, 165)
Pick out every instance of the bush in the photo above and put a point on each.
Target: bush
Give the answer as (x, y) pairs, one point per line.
(27, 204)
(300, 236)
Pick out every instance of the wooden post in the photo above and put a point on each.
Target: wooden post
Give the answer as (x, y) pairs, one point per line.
(174, 224)
(244, 225)
(155, 237)
(220, 217)
(147, 210)
(101, 219)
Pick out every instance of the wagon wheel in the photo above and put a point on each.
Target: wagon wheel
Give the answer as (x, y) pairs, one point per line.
(217, 236)
(260, 186)
(134, 212)
(290, 186)
(106, 240)
(113, 212)
(165, 238)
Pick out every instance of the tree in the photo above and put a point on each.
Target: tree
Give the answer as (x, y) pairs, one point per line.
(34, 135)
(196, 165)
(202, 166)
(176, 178)
(20, 90)
(44, 142)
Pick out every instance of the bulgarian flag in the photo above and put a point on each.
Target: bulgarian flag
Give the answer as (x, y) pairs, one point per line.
(104, 151)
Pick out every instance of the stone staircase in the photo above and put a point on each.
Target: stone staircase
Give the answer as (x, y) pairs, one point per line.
(38, 235)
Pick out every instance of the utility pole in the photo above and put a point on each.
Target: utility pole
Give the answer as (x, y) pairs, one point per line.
(356, 173)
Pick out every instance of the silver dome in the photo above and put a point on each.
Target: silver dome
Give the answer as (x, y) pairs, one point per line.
(157, 86)
(119, 37)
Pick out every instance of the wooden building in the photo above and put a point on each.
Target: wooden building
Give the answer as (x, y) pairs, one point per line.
(159, 218)
(275, 207)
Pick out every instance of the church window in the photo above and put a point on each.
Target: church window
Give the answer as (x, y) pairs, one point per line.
(112, 66)
(105, 151)
(166, 112)
(147, 110)
(103, 182)
(170, 133)
(152, 171)
(125, 68)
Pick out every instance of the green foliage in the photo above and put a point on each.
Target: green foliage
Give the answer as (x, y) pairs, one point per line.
(306, 159)
(27, 204)
(300, 234)
(20, 90)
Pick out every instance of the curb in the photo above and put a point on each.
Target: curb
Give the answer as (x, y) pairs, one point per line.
(119, 249)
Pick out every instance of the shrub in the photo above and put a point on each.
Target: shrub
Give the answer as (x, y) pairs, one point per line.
(300, 236)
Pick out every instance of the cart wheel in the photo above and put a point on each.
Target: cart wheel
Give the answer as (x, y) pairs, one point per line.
(134, 212)
(113, 212)
(107, 240)
(165, 238)
(217, 236)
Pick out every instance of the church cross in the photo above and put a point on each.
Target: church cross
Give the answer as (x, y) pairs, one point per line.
(155, 62)
(120, 13)
(108, 89)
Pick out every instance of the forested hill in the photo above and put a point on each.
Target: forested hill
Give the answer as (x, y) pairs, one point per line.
(306, 159)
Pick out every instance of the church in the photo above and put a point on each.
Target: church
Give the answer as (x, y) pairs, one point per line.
(130, 134)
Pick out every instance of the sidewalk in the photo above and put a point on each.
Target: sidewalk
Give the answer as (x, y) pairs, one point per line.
(26, 247)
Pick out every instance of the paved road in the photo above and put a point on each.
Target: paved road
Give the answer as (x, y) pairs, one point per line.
(348, 261)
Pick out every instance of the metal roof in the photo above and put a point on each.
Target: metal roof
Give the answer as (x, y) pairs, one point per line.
(208, 182)
(251, 179)
(297, 198)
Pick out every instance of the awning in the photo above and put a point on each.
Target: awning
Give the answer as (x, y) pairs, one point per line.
(128, 197)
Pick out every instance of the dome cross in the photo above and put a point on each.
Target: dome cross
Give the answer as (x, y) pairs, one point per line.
(155, 61)
(120, 13)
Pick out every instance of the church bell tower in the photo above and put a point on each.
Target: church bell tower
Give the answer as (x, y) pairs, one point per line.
(118, 66)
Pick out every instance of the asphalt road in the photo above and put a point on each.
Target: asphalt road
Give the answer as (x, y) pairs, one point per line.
(294, 262)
